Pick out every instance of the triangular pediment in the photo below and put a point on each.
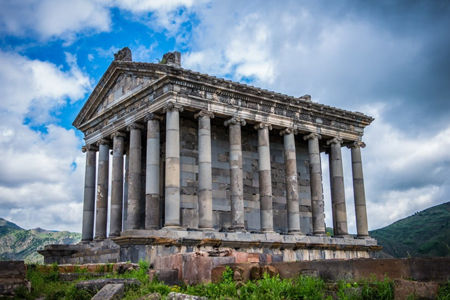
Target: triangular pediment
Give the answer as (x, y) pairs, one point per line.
(119, 82)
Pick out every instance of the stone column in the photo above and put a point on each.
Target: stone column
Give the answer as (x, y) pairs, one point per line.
(265, 178)
(134, 177)
(337, 188)
(172, 197)
(236, 174)
(358, 190)
(102, 190)
(290, 162)
(89, 194)
(125, 189)
(315, 172)
(205, 211)
(152, 172)
(115, 223)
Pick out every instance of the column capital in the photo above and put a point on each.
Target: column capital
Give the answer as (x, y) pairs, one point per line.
(235, 120)
(135, 126)
(103, 142)
(204, 113)
(288, 130)
(336, 140)
(172, 106)
(118, 134)
(89, 148)
(152, 116)
(357, 144)
(263, 125)
(312, 135)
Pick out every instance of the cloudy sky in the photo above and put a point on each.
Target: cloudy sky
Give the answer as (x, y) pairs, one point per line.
(388, 59)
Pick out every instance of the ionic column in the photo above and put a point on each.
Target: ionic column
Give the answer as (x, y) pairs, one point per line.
(315, 172)
(87, 233)
(358, 190)
(102, 190)
(115, 223)
(205, 220)
(236, 175)
(265, 178)
(172, 197)
(290, 162)
(152, 172)
(134, 177)
(337, 188)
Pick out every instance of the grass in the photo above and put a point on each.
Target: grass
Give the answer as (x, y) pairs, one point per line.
(48, 284)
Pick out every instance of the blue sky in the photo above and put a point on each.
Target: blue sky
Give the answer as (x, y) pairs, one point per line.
(388, 59)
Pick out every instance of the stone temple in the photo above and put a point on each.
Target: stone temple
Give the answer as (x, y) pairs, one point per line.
(201, 163)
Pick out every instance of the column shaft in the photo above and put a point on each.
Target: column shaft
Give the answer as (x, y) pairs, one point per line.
(152, 173)
(117, 185)
(89, 194)
(265, 178)
(358, 190)
(102, 191)
(315, 171)
(337, 189)
(172, 189)
(125, 190)
(236, 174)
(134, 178)
(205, 220)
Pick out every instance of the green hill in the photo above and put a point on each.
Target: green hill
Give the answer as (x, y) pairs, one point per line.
(20, 244)
(424, 234)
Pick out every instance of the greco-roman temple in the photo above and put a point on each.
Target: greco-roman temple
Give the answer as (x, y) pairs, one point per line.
(178, 161)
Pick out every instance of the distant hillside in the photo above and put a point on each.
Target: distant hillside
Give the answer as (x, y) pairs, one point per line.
(424, 234)
(20, 244)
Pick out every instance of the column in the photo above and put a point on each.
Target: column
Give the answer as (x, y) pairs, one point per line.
(290, 162)
(134, 177)
(205, 211)
(315, 172)
(125, 190)
(265, 178)
(115, 223)
(358, 190)
(89, 194)
(102, 190)
(172, 197)
(236, 174)
(152, 172)
(337, 188)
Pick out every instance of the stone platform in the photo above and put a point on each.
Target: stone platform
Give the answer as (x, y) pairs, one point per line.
(135, 245)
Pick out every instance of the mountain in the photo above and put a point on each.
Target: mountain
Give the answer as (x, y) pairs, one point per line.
(20, 244)
(424, 234)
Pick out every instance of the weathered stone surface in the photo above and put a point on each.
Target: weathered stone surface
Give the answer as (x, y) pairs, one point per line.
(12, 275)
(110, 292)
(404, 289)
(123, 267)
(179, 296)
(167, 276)
(97, 284)
(152, 296)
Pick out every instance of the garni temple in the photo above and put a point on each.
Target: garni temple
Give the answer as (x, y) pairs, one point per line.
(178, 161)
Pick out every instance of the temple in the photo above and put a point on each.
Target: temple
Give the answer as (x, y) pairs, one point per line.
(200, 162)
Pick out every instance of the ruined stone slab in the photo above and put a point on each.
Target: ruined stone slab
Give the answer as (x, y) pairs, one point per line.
(152, 296)
(166, 276)
(97, 284)
(12, 275)
(110, 292)
(179, 296)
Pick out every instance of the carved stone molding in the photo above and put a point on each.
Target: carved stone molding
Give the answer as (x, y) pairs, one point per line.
(312, 135)
(103, 142)
(204, 113)
(336, 140)
(235, 120)
(152, 116)
(358, 144)
(288, 130)
(172, 106)
(263, 125)
(118, 134)
(89, 148)
(135, 126)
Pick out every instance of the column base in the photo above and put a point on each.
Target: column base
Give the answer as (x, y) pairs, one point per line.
(342, 236)
(267, 231)
(206, 229)
(114, 234)
(295, 232)
(237, 229)
(363, 237)
(85, 241)
(172, 227)
(100, 238)
(321, 234)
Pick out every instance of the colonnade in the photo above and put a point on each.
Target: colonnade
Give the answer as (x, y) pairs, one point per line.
(205, 203)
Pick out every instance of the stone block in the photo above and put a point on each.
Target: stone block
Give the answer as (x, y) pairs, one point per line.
(179, 296)
(405, 289)
(95, 285)
(152, 296)
(167, 276)
(110, 292)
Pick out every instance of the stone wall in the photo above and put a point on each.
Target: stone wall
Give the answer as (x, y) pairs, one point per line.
(221, 177)
(12, 275)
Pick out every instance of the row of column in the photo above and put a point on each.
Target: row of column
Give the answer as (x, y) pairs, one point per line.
(172, 179)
